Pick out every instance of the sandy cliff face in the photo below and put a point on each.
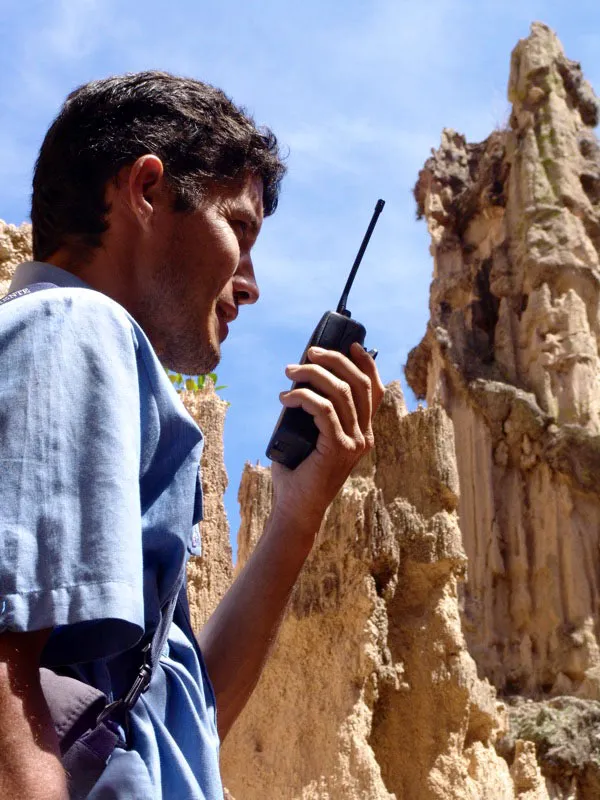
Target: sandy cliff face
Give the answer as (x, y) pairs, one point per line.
(210, 574)
(15, 246)
(511, 353)
(370, 691)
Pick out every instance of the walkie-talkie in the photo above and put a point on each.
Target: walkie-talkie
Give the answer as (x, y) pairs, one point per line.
(295, 435)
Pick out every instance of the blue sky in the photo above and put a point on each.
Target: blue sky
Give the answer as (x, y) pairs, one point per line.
(358, 92)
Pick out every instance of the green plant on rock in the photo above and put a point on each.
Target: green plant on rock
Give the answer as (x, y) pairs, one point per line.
(194, 384)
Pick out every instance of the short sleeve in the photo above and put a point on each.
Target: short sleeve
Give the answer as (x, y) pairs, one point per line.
(70, 521)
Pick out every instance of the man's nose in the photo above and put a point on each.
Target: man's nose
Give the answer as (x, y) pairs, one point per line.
(245, 287)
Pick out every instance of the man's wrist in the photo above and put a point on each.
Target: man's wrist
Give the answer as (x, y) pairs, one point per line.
(299, 529)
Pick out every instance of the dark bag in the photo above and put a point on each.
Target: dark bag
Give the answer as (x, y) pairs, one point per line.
(85, 745)
(86, 724)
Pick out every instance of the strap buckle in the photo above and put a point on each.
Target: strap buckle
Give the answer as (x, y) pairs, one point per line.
(117, 709)
(141, 683)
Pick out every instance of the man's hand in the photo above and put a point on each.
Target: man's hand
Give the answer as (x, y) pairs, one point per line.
(343, 397)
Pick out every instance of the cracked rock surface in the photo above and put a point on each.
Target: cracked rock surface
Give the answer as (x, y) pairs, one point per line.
(511, 353)
(370, 691)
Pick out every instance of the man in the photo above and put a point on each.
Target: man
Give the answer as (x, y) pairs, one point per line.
(148, 195)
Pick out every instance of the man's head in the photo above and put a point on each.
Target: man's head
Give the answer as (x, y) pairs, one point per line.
(153, 189)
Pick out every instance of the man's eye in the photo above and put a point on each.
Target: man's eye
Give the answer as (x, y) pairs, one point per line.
(241, 226)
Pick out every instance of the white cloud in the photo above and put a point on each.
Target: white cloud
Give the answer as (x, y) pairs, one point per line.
(75, 29)
(65, 34)
(415, 38)
(346, 144)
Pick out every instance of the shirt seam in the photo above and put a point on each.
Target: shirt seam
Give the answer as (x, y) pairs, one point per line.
(66, 586)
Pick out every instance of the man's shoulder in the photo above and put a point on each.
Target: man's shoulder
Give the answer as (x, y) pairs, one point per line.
(71, 313)
(65, 300)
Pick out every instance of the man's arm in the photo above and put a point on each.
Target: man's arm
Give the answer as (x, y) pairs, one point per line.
(236, 640)
(30, 764)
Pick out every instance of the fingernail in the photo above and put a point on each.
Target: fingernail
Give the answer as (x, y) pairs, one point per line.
(317, 350)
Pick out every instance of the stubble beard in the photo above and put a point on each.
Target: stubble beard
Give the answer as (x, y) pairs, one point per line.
(187, 354)
(182, 340)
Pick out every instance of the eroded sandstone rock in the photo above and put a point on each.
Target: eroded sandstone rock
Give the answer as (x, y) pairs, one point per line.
(511, 353)
(527, 776)
(210, 574)
(15, 246)
(370, 691)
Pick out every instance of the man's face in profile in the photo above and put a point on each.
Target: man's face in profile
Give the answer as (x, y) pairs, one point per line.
(201, 273)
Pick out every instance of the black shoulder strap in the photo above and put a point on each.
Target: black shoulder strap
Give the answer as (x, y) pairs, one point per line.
(34, 287)
(151, 651)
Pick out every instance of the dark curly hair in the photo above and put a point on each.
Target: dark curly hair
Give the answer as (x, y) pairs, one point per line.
(201, 137)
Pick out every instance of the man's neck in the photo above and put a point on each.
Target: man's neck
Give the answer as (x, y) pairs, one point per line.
(98, 270)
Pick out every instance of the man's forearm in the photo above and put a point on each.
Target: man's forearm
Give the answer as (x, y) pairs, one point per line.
(236, 640)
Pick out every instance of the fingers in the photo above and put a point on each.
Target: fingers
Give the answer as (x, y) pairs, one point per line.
(352, 389)
(332, 387)
(368, 367)
(341, 395)
(358, 381)
(360, 374)
(333, 440)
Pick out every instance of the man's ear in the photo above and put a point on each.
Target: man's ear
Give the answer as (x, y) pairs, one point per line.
(146, 187)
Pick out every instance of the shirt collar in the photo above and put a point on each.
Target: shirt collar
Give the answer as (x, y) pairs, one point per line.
(39, 272)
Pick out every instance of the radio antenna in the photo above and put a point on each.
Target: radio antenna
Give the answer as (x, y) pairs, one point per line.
(341, 309)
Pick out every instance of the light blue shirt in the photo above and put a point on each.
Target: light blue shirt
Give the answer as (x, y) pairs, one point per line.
(100, 491)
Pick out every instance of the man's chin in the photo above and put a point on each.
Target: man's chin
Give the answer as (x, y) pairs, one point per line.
(201, 362)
